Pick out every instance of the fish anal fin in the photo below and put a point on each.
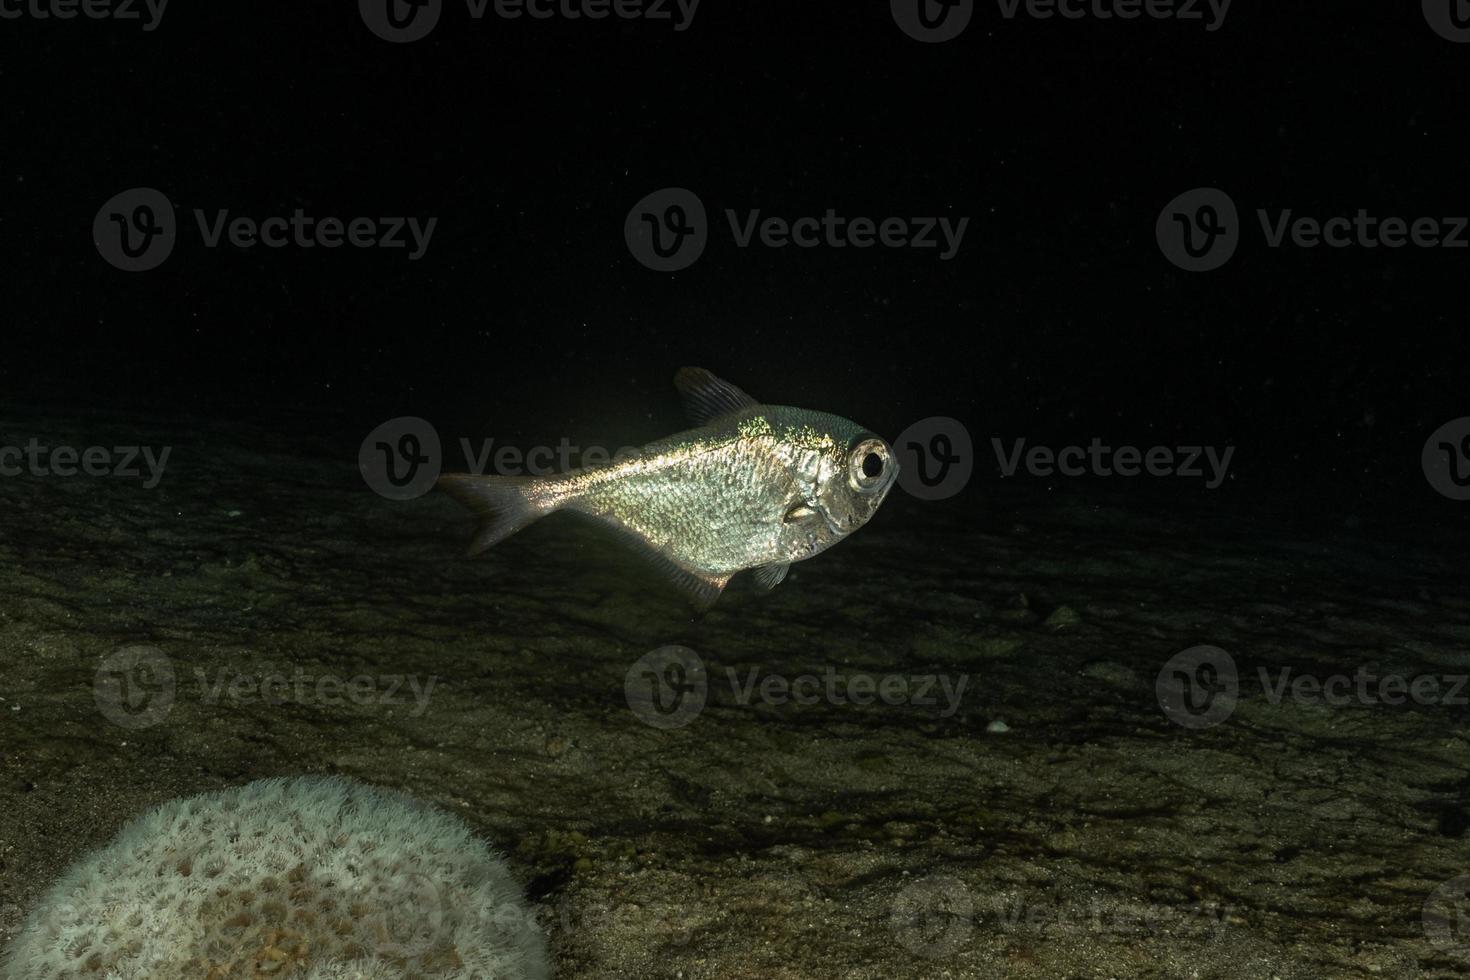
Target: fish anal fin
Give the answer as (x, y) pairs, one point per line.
(702, 588)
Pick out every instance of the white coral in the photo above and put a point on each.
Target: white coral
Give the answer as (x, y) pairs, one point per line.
(309, 878)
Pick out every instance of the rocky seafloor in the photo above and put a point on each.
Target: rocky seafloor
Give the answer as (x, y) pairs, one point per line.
(1064, 819)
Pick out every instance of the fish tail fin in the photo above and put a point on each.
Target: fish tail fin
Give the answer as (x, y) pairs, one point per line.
(505, 504)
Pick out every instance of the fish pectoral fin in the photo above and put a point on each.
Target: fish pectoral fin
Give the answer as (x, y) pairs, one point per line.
(707, 397)
(799, 511)
(770, 576)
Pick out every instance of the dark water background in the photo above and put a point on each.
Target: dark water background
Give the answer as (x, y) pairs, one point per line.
(1058, 320)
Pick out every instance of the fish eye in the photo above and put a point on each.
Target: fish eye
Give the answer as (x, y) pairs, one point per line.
(868, 465)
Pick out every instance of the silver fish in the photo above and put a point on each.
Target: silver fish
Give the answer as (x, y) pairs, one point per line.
(754, 487)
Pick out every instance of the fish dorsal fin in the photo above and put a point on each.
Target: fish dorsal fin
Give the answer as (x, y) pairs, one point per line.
(707, 397)
(770, 576)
